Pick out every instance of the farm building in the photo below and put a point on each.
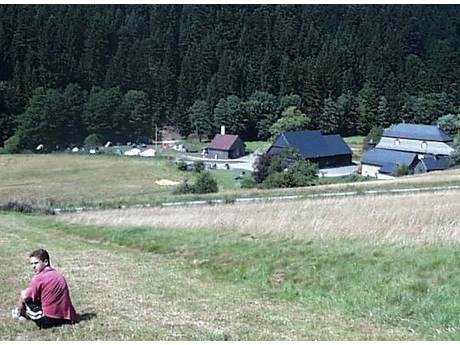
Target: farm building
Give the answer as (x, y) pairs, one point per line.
(421, 139)
(383, 163)
(420, 147)
(225, 146)
(328, 151)
(431, 163)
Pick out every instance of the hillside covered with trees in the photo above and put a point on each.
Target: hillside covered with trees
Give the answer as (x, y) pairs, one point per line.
(68, 71)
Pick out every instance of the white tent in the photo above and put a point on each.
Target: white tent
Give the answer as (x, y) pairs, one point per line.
(75, 149)
(148, 153)
(133, 152)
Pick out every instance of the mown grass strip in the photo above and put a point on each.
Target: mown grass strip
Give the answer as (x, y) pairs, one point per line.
(410, 286)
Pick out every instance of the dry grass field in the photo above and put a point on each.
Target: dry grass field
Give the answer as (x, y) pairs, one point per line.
(133, 295)
(419, 217)
(368, 267)
(65, 179)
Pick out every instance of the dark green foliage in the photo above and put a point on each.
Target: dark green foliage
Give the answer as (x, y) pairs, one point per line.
(450, 123)
(292, 119)
(329, 121)
(201, 119)
(205, 183)
(284, 170)
(100, 113)
(92, 141)
(402, 170)
(348, 68)
(182, 165)
(372, 138)
(198, 166)
(454, 158)
(298, 174)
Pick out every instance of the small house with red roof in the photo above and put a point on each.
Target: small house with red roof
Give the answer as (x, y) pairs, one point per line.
(225, 146)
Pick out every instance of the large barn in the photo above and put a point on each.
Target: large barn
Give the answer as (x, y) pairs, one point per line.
(420, 147)
(225, 146)
(328, 151)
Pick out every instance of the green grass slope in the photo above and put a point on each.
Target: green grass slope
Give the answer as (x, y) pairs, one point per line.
(173, 284)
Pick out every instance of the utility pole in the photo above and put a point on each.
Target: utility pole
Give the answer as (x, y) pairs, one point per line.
(156, 137)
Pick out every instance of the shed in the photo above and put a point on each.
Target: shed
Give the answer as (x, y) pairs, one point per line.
(327, 151)
(380, 161)
(226, 146)
(431, 163)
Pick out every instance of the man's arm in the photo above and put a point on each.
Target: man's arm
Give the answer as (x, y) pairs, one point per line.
(26, 294)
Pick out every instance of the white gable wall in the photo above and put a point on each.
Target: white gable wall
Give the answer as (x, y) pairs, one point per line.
(373, 171)
(418, 146)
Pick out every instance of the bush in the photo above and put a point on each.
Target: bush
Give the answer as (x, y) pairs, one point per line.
(198, 166)
(92, 141)
(454, 158)
(182, 165)
(248, 182)
(301, 173)
(184, 188)
(205, 183)
(12, 145)
(285, 169)
(402, 170)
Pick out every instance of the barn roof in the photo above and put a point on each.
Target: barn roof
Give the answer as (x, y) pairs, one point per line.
(223, 142)
(312, 144)
(388, 159)
(416, 131)
(435, 163)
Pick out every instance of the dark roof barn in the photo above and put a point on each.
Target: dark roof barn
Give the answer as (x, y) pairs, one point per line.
(389, 160)
(417, 132)
(326, 150)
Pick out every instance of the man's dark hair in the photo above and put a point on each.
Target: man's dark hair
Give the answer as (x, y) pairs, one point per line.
(40, 254)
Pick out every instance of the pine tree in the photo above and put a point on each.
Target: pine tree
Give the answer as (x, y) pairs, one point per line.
(200, 118)
(383, 113)
(329, 120)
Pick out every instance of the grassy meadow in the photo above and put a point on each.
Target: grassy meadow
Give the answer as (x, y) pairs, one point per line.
(171, 276)
(103, 181)
(369, 267)
(65, 180)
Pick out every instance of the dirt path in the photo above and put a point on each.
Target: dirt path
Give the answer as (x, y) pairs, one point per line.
(141, 296)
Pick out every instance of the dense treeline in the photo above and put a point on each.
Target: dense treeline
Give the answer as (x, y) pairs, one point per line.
(68, 71)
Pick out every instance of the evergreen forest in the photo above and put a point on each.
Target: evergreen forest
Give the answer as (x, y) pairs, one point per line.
(119, 71)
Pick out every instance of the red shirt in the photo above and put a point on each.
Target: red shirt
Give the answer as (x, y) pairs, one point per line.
(49, 287)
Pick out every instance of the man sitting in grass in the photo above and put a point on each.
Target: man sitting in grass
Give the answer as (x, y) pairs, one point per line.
(47, 299)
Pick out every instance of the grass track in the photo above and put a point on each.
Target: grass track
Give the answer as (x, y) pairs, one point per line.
(176, 285)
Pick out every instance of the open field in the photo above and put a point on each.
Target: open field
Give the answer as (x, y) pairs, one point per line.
(421, 217)
(167, 283)
(62, 180)
(65, 180)
(361, 268)
(129, 294)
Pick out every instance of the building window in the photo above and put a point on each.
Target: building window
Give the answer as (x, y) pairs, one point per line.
(424, 145)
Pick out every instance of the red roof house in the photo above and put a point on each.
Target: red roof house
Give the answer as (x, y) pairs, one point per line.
(226, 146)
